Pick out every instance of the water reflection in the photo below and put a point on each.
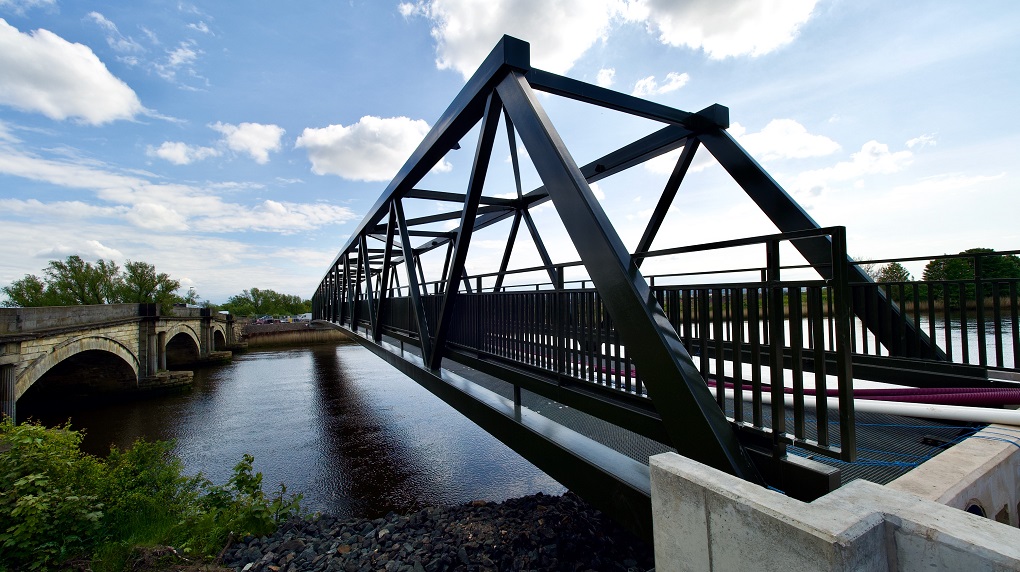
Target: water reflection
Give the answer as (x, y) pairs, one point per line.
(335, 423)
(364, 469)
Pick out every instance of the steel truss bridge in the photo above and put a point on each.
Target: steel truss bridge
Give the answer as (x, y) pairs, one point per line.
(729, 373)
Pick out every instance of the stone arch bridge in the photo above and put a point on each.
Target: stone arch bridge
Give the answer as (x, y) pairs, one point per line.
(68, 352)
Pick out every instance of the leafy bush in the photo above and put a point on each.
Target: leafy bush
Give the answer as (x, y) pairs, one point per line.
(59, 504)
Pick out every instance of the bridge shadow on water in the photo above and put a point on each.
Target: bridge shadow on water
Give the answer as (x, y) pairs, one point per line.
(368, 473)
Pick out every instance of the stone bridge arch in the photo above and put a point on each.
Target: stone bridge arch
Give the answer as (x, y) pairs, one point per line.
(44, 363)
(178, 354)
(218, 338)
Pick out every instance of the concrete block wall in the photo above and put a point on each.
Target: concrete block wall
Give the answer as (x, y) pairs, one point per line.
(705, 519)
(981, 474)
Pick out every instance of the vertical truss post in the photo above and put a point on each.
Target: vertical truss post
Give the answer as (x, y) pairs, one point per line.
(843, 347)
(777, 342)
(353, 285)
(693, 421)
(483, 152)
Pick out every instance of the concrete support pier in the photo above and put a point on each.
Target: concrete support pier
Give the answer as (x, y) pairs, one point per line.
(8, 400)
(705, 519)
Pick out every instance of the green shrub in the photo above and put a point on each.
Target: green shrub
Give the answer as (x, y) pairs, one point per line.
(59, 504)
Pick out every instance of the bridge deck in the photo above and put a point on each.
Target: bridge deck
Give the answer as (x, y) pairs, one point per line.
(890, 445)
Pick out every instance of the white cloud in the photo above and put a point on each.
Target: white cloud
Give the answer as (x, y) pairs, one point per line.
(874, 158)
(407, 9)
(115, 39)
(36, 209)
(180, 59)
(560, 31)
(19, 7)
(373, 149)
(184, 54)
(724, 29)
(180, 153)
(200, 27)
(146, 204)
(89, 250)
(46, 74)
(154, 216)
(648, 86)
(783, 139)
(255, 139)
(6, 135)
(605, 77)
(922, 141)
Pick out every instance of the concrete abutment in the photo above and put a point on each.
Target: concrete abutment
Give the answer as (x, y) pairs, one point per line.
(705, 519)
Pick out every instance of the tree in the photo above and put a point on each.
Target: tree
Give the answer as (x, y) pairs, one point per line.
(142, 284)
(896, 273)
(869, 268)
(893, 272)
(966, 268)
(259, 302)
(73, 282)
(27, 292)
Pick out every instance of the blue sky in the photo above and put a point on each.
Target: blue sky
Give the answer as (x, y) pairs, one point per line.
(238, 147)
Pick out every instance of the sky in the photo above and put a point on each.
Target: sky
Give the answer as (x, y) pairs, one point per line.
(237, 145)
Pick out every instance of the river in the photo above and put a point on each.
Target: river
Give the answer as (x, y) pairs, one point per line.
(333, 422)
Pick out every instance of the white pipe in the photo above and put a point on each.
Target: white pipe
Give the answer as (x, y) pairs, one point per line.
(924, 410)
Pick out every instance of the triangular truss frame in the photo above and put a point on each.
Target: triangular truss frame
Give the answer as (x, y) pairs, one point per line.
(505, 85)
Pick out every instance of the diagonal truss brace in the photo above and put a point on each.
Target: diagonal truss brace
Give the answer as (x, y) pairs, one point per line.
(674, 382)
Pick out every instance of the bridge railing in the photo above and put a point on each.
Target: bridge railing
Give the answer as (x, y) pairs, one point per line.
(966, 304)
(775, 351)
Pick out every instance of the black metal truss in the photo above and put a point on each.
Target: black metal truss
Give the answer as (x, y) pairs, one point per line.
(686, 414)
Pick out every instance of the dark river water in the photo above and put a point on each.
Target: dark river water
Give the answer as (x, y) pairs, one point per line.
(335, 423)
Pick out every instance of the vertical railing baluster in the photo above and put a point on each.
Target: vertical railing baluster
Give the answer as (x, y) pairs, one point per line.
(843, 349)
(703, 331)
(797, 358)
(979, 309)
(754, 319)
(964, 336)
(737, 339)
(997, 318)
(776, 343)
(815, 315)
(719, 347)
(1013, 310)
(947, 319)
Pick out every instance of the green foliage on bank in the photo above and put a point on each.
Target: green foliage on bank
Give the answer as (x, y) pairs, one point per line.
(59, 505)
(263, 302)
(74, 282)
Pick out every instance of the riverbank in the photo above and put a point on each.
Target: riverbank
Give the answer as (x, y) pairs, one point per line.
(536, 532)
(289, 334)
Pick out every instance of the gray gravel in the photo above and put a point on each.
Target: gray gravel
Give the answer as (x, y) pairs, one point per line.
(538, 532)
